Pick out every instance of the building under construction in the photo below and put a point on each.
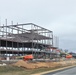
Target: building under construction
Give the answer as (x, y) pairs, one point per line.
(29, 38)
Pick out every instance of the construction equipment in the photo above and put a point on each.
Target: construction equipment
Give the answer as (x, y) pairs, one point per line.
(19, 57)
(69, 56)
(28, 57)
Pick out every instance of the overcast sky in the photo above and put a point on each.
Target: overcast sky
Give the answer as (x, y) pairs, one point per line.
(56, 15)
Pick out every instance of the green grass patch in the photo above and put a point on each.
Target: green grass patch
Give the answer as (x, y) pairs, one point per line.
(12, 70)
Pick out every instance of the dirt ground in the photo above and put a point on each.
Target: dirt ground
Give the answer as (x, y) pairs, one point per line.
(34, 65)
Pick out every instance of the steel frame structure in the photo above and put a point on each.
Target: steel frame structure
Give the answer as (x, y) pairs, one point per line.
(29, 38)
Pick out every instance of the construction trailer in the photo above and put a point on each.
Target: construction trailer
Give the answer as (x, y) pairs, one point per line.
(23, 39)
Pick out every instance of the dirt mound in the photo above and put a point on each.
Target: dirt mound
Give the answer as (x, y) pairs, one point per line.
(24, 64)
(30, 65)
(33, 65)
(41, 64)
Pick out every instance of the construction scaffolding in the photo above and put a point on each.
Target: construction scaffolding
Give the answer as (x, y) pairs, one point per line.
(22, 39)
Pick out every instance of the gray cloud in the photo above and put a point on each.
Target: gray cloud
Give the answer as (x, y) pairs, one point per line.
(56, 15)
